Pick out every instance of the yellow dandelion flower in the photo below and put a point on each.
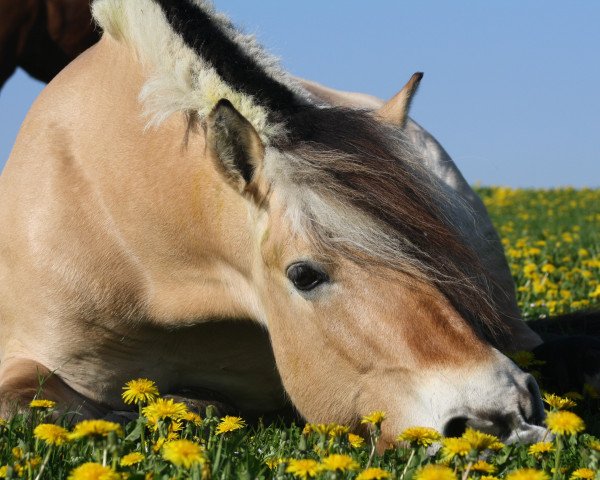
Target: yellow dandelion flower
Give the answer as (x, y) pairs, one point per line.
(229, 424)
(159, 444)
(529, 268)
(132, 458)
(525, 359)
(488, 477)
(93, 471)
(423, 436)
(274, 462)
(594, 444)
(94, 428)
(483, 466)
(356, 440)
(163, 409)
(374, 418)
(140, 390)
(51, 434)
(548, 268)
(338, 430)
(541, 448)
(336, 461)
(320, 428)
(527, 474)
(41, 403)
(3, 471)
(183, 453)
(192, 418)
(435, 472)
(495, 446)
(303, 468)
(33, 462)
(373, 474)
(323, 428)
(3, 422)
(17, 453)
(558, 402)
(455, 446)
(319, 451)
(479, 440)
(574, 396)
(584, 473)
(564, 423)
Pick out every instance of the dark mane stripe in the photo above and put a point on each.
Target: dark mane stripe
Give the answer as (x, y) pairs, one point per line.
(201, 33)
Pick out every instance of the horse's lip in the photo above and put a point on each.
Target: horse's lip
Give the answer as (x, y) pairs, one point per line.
(528, 433)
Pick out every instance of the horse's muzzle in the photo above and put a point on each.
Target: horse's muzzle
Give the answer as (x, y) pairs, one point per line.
(524, 425)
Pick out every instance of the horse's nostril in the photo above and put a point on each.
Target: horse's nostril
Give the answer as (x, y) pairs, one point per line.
(537, 407)
(455, 427)
(494, 423)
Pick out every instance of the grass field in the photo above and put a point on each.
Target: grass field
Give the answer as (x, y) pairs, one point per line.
(552, 242)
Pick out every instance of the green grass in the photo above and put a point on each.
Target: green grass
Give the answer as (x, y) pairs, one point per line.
(551, 238)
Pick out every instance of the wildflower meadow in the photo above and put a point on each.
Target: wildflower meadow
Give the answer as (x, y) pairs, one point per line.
(551, 239)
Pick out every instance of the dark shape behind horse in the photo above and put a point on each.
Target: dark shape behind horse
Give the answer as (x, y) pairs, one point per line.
(571, 350)
(43, 36)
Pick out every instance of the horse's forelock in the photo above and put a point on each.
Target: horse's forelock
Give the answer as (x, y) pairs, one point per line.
(364, 190)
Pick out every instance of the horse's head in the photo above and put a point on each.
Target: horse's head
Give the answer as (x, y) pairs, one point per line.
(371, 298)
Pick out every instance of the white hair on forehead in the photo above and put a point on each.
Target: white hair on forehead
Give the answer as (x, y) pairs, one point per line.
(179, 79)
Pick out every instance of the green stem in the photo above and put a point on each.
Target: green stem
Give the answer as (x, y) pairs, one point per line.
(218, 455)
(44, 463)
(465, 474)
(374, 436)
(142, 434)
(557, 457)
(412, 454)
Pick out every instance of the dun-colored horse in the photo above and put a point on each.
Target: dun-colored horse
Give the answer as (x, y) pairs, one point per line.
(177, 207)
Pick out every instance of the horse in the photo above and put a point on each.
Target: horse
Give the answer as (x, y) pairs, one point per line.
(43, 36)
(52, 33)
(177, 207)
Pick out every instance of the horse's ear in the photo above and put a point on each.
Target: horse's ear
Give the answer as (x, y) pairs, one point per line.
(234, 145)
(395, 110)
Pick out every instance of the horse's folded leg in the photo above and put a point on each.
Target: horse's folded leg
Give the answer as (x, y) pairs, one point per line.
(569, 363)
(22, 380)
(121, 416)
(198, 400)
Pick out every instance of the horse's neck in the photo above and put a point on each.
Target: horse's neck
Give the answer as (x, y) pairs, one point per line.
(170, 210)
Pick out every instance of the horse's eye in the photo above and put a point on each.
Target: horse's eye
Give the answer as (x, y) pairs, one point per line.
(305, 277)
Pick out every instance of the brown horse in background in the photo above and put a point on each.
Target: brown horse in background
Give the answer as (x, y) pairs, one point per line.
(43, 36)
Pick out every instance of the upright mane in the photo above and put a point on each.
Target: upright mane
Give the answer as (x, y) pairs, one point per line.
(352, 183)
(195, 57)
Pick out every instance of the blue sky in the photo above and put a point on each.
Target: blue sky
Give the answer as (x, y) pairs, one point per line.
(511, 88)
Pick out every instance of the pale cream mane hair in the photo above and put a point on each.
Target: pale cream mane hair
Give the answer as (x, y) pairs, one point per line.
(179, 80)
